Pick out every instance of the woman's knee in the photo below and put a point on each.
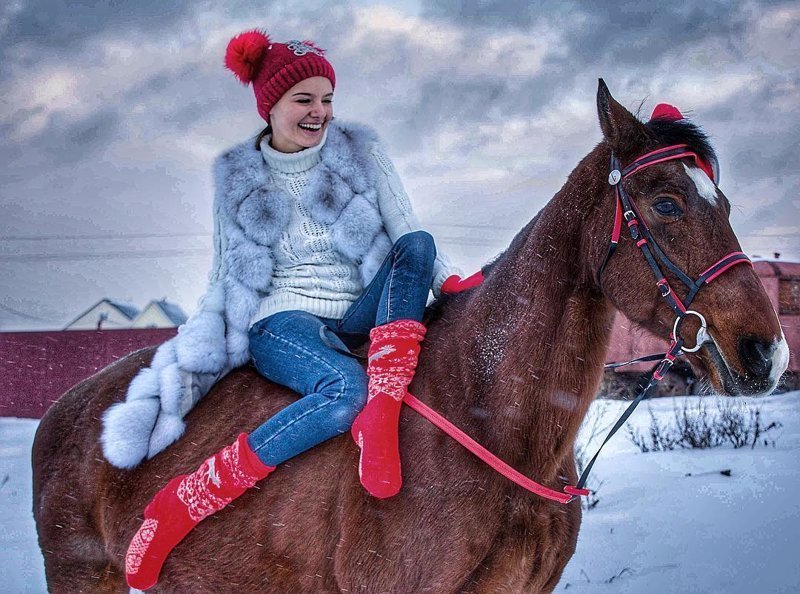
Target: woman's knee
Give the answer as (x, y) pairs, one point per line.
(349, 396)
(418, 246)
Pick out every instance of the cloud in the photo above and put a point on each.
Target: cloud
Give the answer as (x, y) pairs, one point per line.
(64, 25)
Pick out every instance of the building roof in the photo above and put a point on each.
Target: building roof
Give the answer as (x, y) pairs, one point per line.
(779, 268)
(126, 309)
(171, 310)
(129, 310)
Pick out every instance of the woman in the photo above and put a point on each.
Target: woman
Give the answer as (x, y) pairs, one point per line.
(316, 248)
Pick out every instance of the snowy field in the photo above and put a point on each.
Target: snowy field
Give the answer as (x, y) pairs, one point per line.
(655, 529)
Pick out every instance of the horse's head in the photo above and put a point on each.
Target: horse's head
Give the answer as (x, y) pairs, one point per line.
(683, 221)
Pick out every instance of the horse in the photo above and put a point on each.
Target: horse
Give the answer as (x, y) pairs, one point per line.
(514, 362)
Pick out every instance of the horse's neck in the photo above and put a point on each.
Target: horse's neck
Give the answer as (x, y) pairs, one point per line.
(531, 343)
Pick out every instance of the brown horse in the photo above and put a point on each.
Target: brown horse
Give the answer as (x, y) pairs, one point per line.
(515, 363)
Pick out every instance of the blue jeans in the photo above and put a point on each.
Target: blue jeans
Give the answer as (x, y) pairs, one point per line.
(288, 348)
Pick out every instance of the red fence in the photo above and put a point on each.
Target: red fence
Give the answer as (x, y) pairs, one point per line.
(38, 367)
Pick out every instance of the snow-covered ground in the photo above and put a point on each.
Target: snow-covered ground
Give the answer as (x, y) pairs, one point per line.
(655, 529)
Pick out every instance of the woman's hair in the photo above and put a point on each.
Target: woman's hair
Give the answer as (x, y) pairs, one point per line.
(261, 135)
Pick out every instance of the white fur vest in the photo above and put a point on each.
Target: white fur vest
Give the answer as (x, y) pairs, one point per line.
(249, 213)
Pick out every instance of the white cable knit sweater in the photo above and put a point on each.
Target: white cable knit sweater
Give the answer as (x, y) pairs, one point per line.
(309, 274)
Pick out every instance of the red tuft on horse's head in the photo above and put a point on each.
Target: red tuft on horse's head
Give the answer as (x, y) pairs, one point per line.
(665, 111)
(245, 53)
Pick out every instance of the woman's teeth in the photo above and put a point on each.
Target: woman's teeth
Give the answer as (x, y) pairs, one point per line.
(312, 127)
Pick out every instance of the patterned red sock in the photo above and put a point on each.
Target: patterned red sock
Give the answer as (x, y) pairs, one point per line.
(184, 502)
(393, 355)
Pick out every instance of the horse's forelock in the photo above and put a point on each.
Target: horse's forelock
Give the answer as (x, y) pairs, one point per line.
(668, 132)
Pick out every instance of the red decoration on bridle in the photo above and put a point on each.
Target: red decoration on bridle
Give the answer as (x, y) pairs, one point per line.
(665, 111)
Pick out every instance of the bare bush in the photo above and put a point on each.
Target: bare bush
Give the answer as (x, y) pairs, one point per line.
(742, 426)
(695, 427)
(660, 437)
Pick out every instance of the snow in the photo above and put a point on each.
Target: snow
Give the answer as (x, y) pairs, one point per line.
(654, 529)
(657, 530)
(22, 562)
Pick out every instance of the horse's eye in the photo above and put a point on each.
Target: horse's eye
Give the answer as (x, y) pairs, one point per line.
(667, 208)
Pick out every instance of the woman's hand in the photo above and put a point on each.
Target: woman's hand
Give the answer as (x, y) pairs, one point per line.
(456, 284)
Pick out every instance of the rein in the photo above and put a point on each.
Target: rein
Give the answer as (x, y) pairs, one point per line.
(639, 232)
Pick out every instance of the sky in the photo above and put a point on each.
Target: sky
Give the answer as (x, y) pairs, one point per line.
(111, 114)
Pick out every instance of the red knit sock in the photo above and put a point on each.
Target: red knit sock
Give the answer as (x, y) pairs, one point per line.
(184, 502)
(392, 360)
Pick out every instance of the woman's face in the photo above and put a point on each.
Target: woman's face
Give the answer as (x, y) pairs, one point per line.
(300, 117)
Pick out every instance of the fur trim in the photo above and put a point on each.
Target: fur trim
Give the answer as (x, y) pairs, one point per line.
(171, 383)
(165, 354)
(168, 429)
(200, 349)
(357, 226)
(144, 385)
(250, 263)
(238, 343)
(326, 195)
(127, 427)
(237, 173)
(213, 300)
(263, 213)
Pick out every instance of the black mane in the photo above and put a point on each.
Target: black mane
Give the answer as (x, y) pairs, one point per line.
(670, 132)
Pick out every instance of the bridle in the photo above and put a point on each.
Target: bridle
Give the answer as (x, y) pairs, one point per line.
(626, 210)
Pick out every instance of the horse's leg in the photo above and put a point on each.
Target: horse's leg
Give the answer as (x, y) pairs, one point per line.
(526, 561)
(75, 559)
(64, 477)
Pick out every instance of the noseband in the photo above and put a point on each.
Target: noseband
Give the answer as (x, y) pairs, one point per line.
(653, 254)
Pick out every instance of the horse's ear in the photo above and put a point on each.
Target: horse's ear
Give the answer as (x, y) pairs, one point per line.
(620, 127)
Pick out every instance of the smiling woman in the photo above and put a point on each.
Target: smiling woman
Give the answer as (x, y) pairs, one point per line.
(316, 250)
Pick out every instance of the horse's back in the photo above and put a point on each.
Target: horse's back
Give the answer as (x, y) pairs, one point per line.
(87, 510)
(309, 527)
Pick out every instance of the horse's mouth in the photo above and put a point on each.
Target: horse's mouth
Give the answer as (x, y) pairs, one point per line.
(726, 381)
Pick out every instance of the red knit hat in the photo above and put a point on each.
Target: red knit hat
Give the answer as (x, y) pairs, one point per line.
(274, 68)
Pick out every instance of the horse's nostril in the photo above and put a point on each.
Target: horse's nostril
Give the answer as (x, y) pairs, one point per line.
(756, 356)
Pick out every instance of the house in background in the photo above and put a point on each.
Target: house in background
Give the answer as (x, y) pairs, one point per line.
(105, 315)
(108, 314)
(159, 314)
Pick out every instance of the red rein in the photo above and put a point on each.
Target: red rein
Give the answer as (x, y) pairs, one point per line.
(492, 460)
